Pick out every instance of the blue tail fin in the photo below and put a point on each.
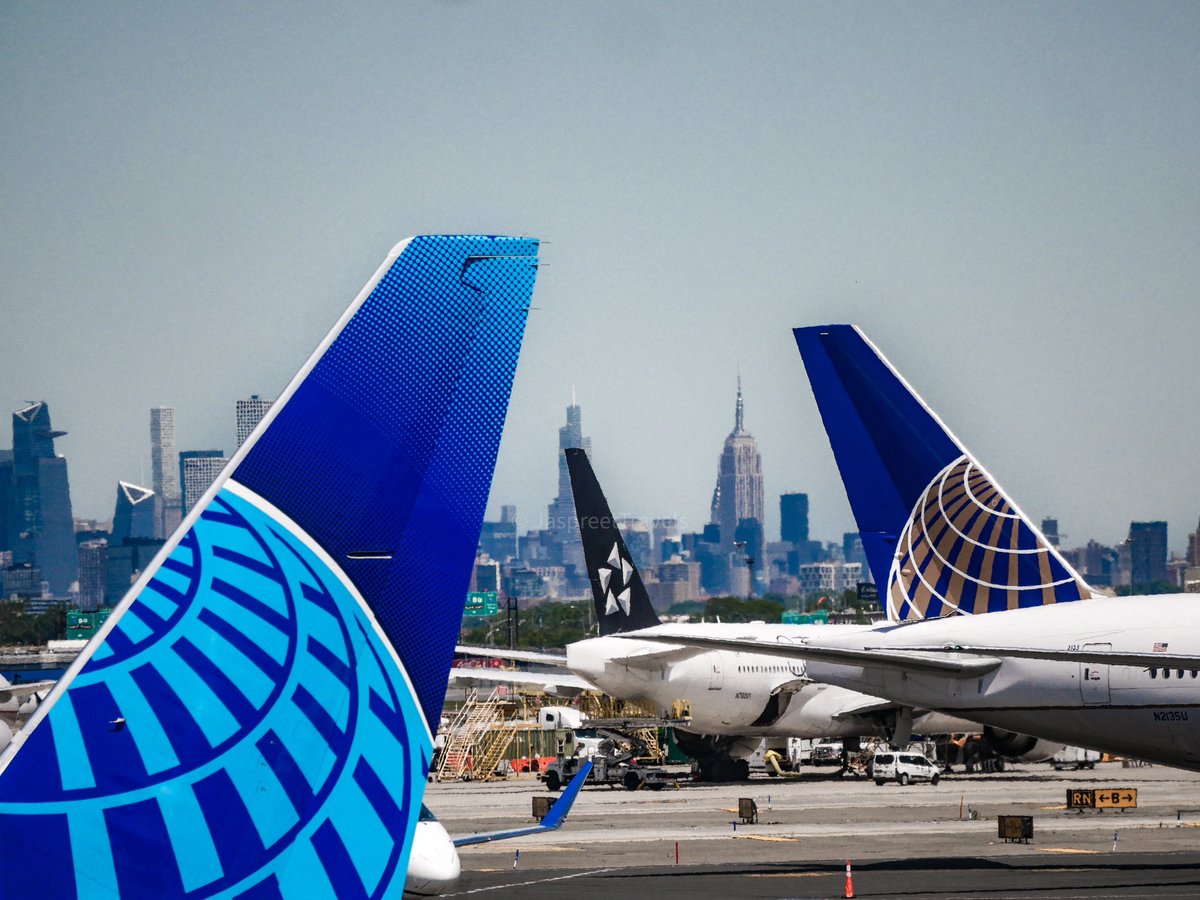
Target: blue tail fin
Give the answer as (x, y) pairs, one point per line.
(937, 529)
(254, 718)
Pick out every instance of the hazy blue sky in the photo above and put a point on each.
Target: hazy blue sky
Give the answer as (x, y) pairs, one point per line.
(1005, 196)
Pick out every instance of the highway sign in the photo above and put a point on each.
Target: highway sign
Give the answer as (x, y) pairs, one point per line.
(482, 603)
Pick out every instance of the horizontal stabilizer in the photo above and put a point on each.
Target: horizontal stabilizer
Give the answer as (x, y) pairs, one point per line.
(646, 658)
(530, 656)
(554, 819)
(550, 682)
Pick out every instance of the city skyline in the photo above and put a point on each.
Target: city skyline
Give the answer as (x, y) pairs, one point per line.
(1003, 198)
(208, 463)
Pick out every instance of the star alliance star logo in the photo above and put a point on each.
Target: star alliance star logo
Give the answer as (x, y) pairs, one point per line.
(615, 573)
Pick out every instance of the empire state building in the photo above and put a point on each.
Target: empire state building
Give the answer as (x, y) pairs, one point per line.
(739, 491)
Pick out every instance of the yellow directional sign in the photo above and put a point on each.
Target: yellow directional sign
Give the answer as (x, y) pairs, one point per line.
(1116, 798)
(1101, 798)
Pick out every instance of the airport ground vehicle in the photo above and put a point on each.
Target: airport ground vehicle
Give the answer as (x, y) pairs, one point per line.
(1076, 758)
(903, 767)
(827, 752)
(614, 756)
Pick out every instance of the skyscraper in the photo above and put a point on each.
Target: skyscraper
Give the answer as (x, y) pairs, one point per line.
(135, 515)
(164, 470)
(739, 491)
(40, 527)
(793, 518)
(563, 527)
(1147, 553)
(249, 414)
(198, 469)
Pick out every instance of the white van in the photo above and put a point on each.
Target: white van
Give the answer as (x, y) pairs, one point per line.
(903, 768)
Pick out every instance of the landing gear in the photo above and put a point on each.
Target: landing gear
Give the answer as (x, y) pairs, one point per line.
(715, 763)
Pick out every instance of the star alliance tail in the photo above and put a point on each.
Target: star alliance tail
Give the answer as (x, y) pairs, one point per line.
(622, 603)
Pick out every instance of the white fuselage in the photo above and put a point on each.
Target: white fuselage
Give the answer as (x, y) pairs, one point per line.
(727, 692)
(1151, 713)
(433, 863)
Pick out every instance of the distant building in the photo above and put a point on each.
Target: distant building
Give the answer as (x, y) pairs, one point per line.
(562, 526)
(125, 564)
(135, 515)
(638, 539)
(683, 572)
(793, 518)
(21, 581)
(164, 470)
(748, 542)
(739, 491)
(249, 413)
(198, 469)
(829, 577)
(486, 575)
(93, 574)
(1193, 549)
(1147, 553)
(6, 489)
(1050, 531)
(524, 584)
(664, 540)
(40, 527)
(853, 551)
(499, 540)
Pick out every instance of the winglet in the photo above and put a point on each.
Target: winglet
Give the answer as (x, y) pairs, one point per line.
(554, 819)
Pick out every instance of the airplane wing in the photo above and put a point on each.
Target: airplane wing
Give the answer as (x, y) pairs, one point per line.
(1110, 657)
(550, 682)
(913, 661)
(546, 659)
(646, 658)
(8, 691)
(555, 818)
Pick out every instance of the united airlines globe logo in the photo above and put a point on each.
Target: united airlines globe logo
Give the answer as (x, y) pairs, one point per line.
(301, 735)
(966, 549)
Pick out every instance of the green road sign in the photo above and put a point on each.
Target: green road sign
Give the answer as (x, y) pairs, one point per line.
(482, 603)
(819, 617)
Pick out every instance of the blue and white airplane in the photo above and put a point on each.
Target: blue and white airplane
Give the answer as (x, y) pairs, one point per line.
(989, 622)
(254, 720)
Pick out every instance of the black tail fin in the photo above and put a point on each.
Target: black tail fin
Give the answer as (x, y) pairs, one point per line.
(622, 603)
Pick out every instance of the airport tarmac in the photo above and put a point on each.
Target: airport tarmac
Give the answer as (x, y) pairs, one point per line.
(915, 841)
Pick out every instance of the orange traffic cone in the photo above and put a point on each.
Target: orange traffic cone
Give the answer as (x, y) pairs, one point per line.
(849, 880)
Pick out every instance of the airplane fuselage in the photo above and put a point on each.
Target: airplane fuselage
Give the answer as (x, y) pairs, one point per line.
(727, 693)
(1152, 713)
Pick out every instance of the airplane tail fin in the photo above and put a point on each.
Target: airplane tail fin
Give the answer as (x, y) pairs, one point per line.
(937, 529)
(254, 719)
(622, 603)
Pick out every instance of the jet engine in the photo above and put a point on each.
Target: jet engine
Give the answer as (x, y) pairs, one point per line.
(1023, 747)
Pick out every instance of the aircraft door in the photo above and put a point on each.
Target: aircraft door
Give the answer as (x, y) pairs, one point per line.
(716, 674)
(1093, 679)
